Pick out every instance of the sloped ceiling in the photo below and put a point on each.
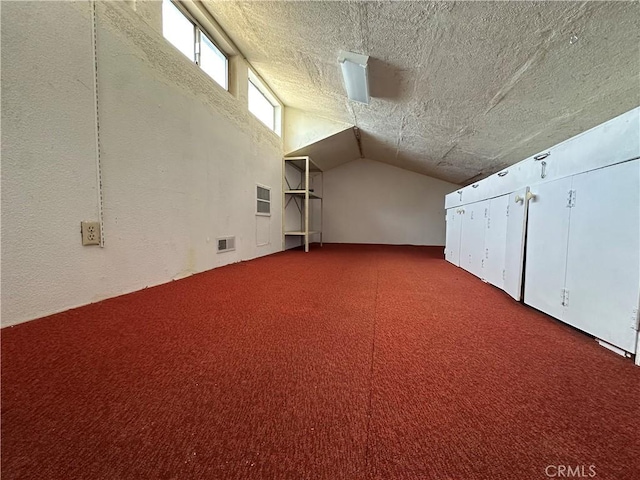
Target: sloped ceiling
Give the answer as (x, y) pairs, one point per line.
(331, 151)
(460, 89)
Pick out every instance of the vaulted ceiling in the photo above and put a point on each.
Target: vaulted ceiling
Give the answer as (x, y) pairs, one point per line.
(460, 89)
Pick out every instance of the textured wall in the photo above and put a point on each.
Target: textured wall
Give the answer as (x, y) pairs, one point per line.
(180, 159)
(371, 202)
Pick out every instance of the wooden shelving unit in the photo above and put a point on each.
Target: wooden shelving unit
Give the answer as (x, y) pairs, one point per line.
(300, 195)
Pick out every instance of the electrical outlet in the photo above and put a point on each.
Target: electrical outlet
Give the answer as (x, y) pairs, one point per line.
(90, 233)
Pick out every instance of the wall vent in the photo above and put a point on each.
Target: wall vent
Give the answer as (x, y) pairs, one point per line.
(226, 244)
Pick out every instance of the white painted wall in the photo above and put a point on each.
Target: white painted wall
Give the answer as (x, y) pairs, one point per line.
(371, 202)
(180, 158)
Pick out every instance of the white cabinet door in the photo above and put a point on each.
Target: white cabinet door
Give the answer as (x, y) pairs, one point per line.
(473, 229)
(496, 241)
(603, 254)
(547, 237)
(517, 206)
(453, 232)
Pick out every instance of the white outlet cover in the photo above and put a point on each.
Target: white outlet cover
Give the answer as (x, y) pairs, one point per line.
(90, 233)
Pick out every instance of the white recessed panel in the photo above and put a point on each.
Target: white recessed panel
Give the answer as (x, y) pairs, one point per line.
(453, 232)
(496, 241)
(546, 251)
(472, 244)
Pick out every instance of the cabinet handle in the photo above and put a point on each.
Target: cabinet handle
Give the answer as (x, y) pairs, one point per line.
(502, 174)
(519, 199)
(541, 156)
(475, 185)
(531, 196)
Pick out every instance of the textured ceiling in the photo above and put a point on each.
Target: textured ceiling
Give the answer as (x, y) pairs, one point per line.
(460, 89)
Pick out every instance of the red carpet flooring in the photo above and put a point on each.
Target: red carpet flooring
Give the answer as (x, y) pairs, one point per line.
(350, 362)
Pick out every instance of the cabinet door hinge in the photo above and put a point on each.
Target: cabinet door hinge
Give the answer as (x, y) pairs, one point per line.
(489, 223)
(635, 319)
(486, 212)
(507, 210)
(565, 297)
(482, 264)
(571, 199)
(486, 253)
(504, 274)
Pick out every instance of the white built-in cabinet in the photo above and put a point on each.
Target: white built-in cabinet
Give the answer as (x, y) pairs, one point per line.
(583, 252)
(487, 239)
(562, 233)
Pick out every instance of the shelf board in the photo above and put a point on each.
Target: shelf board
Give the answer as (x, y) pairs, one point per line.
(299, 233)
(301, 193)
(299, 163)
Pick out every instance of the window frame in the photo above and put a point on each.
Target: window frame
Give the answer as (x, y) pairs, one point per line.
(258, 200)
(197, 43)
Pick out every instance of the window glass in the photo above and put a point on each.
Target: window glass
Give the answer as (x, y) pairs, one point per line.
(264, 193)
(213, 61)
(178, 29)
(261, 107)
(264, 207)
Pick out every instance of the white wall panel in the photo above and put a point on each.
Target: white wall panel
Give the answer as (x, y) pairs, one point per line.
(372, 202)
